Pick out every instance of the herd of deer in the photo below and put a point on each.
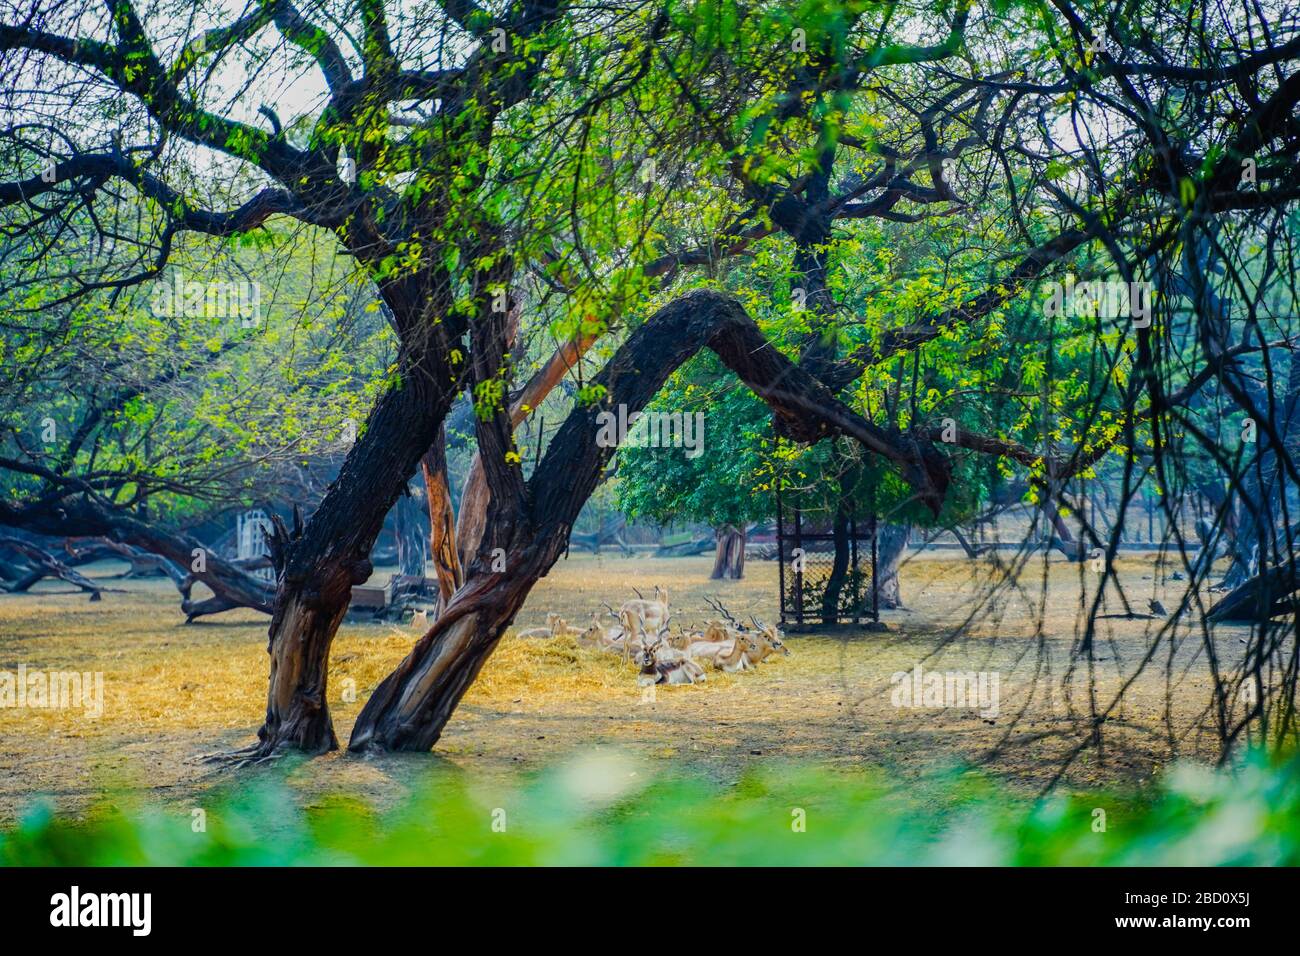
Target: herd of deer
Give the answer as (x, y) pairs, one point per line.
(665, 657)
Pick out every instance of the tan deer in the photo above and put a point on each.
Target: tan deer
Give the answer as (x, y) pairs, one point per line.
(598, 636)
(742, 655)
(717, 638)
(769, 640)
(637, 631)
(681, 640)
(556, 626)
(653, 615)
(665, 650)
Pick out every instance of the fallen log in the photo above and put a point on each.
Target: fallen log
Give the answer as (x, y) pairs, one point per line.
(1259, 598)
(686, 549)
(142, 563)
(46, 565)
(611, 532)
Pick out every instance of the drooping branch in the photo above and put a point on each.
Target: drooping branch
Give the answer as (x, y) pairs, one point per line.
(803, 408)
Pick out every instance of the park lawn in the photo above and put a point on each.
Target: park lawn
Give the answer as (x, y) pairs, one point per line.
(174, 693)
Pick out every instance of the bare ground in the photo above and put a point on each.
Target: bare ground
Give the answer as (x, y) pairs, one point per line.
(173, 693)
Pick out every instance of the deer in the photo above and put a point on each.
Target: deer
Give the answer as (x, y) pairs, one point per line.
(556, 626)
(636, 631)
(653, 614)
(769, 640)
(665, 649)
(680, 640)
(599, 636)
(729, 619)
(742, 655)
(656, 671)
(716, 639)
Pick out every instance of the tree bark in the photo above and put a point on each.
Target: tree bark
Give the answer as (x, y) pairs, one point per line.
(839, 565)
(891, 545)
(1260, 487)
(1260, 597)
(319, 564)
(475, 497)
(46, 565)
(531, 522)
(687, 549)
(229, 581)
(729, 557)
(442, 521)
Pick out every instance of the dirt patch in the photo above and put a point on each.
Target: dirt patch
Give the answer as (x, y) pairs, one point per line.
(173, 692)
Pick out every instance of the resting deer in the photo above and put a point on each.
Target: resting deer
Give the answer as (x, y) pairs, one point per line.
(601, 637)
(769, 640)
(681, 640)
(556, 626)
(743, 654)
(716, 639)
(664, 648)
(637, 633)
(656, 671)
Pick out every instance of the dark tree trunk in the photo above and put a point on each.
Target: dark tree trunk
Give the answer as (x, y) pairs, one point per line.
(686, 549)
(1259, 598)
(1260, 488)
(445, 661)
(231, 584)
(611, 532)
(972, 551)
(839, 566)
(729, 557)
(1060, 535)
(530, 522)
(318, 565)
(891, 545)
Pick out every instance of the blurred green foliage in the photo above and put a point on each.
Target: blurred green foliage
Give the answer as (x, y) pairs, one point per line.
(606, 808)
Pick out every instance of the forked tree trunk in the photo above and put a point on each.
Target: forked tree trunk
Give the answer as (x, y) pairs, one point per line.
(729, 558)
(531, 523)
(319, 564)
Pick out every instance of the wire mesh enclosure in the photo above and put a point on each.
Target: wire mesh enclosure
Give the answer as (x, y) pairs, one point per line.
(827, 564)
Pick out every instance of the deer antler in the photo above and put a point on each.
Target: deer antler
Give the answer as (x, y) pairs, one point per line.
(718, 606)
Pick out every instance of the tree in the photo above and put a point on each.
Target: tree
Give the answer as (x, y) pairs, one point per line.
(140, 415)
(485, 194)
(724, 481)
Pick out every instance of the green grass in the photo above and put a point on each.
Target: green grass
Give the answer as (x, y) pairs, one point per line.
(607, 809)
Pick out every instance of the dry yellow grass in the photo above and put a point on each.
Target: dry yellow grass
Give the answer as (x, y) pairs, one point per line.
(174, 692)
